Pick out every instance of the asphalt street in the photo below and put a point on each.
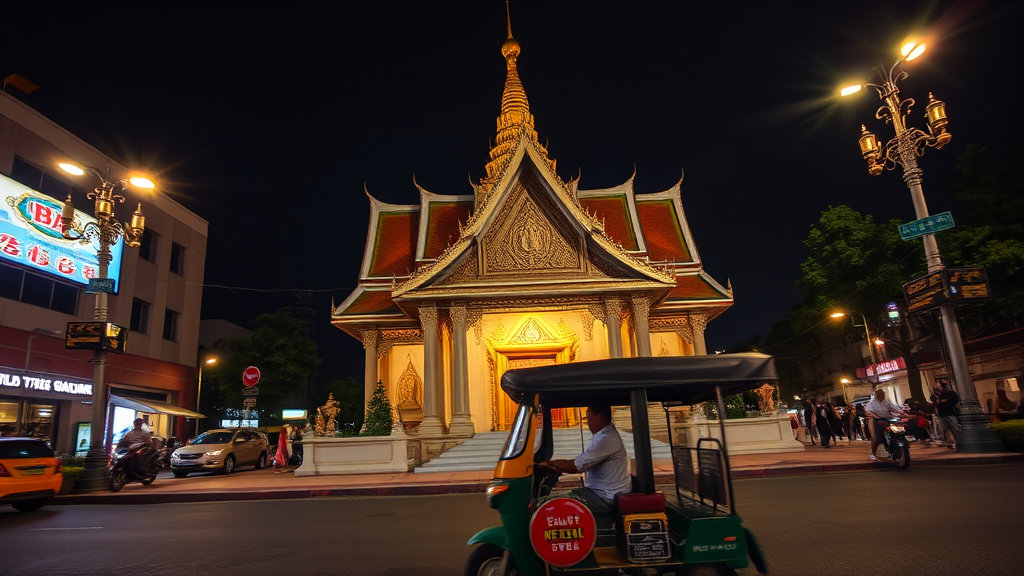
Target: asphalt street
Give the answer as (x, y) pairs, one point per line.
(935, 521)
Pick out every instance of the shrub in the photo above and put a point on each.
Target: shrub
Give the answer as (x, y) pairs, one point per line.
(735, 407)
(1012, 433)
(379, 416)
(71, 474)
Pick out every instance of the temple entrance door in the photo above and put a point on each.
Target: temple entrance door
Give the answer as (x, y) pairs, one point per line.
(506, 409)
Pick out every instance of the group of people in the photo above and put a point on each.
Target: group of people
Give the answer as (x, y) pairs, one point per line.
(827, 422)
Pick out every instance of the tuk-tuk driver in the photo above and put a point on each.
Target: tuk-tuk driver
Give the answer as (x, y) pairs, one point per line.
(605, 462)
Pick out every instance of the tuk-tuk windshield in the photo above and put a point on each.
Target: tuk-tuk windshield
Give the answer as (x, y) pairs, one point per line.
(517, 438)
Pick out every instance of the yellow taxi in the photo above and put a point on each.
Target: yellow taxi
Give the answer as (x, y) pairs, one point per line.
(30, 473)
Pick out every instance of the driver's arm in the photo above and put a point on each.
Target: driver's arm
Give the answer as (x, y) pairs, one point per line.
(563, 466)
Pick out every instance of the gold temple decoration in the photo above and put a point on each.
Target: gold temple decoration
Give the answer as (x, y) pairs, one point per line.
(410, 394)
(325, 417)
(766, 399)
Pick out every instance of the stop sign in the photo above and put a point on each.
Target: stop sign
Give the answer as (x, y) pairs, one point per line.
(250, 376)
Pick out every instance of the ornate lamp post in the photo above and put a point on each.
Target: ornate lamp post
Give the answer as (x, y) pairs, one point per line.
(903, 150)
(107, 232)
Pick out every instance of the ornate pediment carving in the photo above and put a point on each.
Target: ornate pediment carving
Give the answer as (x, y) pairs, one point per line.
(526, 239)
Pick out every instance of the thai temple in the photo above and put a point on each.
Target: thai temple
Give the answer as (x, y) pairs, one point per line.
(528, 269)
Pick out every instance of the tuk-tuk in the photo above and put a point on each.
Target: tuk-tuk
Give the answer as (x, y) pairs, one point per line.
(694, 531)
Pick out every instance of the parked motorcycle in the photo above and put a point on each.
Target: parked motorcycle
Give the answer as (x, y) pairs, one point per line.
(894, 436)
(135, 463)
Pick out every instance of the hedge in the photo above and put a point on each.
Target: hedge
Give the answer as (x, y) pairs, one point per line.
(1012, 433)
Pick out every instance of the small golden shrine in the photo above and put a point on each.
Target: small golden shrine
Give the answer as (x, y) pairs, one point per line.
(527, 270)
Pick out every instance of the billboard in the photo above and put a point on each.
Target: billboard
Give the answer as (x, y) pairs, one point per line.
(31, 235)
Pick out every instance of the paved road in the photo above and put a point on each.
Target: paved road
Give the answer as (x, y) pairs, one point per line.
(962, 520)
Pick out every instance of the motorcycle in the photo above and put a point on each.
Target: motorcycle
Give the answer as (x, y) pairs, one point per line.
(894, 436)
(134, 463)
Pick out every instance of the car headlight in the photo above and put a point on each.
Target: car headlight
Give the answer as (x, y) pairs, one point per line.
(214, 452)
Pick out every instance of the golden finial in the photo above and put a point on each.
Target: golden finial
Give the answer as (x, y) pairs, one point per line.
(510, 49)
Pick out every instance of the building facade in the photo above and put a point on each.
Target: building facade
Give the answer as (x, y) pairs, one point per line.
(45, 389)
(527, 270)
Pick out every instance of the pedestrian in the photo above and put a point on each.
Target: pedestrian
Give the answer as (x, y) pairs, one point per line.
(857, 421)
(281, 459)
(946, 409)
(834, 423)
(809, 419)
(917, 424)
(821, 413)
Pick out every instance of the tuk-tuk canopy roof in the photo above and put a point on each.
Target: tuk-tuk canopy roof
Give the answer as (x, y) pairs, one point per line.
(676, 379)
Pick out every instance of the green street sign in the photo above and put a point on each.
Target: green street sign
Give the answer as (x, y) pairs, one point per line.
(929, 225)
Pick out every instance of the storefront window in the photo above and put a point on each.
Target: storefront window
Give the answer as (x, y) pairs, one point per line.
(39, 419)
(9, 418)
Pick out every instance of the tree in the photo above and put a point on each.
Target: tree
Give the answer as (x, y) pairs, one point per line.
(286, 356)
(379, 415)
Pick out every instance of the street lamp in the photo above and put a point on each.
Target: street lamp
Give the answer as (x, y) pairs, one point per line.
(867, 335)
(199, 386)
(107, 232)
(903, 150)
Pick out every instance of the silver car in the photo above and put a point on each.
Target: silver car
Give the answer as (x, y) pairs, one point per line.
(223, 450)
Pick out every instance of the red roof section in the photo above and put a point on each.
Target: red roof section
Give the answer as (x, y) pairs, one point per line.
(443, 225)
(662, 231)
(615, 213)
(395, 255)
(694, 288)
(372, 302)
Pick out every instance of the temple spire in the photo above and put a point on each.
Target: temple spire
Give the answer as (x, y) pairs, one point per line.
(514, 117)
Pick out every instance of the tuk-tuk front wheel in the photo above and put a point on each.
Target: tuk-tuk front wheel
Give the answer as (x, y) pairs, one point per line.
(486, 561)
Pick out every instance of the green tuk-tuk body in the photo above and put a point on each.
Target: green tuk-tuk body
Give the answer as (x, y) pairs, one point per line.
(704, 536)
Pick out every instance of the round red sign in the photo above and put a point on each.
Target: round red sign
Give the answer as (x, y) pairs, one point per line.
(563, 532)
(250, 376)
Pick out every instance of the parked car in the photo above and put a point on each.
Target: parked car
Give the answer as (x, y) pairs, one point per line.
(30, 473)
(223, 450)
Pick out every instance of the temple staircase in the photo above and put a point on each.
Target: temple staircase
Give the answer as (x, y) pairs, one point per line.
(482, 450)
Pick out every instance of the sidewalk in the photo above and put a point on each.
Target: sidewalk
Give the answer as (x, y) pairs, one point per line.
(270, 485)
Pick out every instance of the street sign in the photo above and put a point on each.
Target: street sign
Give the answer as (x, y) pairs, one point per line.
(928, 225)
(96, 336)
(254, 391)
(945, 286)
(101, 285)
(250, 376)
(249, 402)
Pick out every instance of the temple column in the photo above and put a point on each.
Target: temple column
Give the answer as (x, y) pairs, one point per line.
(431, 424)
(613, 320)
(641, 311)
(370, 373)
(462, 421)
(698, 322)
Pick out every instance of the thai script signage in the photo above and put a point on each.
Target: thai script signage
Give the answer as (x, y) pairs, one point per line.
(96, 336)
(927, 225)
(31, 234)
(882, 368)
(946, 286)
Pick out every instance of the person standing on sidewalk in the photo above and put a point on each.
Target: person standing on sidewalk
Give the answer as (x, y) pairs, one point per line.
(809, 419)
(281, 458)
(946, 410)
(821, 414)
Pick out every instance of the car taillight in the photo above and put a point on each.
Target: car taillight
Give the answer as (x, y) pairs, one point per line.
(3, 471)
(59, 467)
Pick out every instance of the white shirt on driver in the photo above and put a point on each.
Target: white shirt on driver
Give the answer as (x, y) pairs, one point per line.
(606, 464)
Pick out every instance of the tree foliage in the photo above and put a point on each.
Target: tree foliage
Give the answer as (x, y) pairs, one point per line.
(285, 355)
(379, 415)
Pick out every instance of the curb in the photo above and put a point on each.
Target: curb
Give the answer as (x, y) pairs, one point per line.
(141, 497)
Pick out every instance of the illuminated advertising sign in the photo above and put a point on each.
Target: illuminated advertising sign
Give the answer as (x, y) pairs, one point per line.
(884, 367)
(31, 235)
(945, 286)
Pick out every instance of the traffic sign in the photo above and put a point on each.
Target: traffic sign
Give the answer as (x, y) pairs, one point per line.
(101, 285)
(249, 402)
(250, 376)
(928, 225)
(254, 391)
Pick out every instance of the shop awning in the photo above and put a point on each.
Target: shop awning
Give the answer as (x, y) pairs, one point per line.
(154, 407)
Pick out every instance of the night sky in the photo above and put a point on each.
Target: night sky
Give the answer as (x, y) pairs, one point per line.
(266, 119)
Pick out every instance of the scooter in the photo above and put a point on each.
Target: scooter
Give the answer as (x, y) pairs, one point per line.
(135, 463)
(894, 436)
